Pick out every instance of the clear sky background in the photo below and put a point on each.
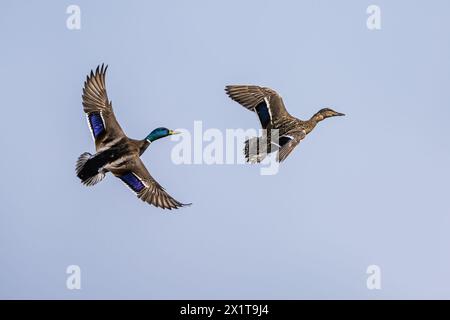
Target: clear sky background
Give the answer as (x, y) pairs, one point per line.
(369, 188)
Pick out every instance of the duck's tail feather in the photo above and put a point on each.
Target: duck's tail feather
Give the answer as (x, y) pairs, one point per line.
(88, 172)
(252, 150)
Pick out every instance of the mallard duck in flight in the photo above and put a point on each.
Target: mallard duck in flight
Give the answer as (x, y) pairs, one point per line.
(115, 152)
(272, 114)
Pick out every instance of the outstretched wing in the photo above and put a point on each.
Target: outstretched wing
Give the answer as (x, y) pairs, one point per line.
(264, 101)
(288, 142)
(98, 109)
(136, 176)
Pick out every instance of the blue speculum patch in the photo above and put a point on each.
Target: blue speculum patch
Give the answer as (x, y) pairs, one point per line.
(96, 122)
(263, 114)
(284, 140)
(132, 181)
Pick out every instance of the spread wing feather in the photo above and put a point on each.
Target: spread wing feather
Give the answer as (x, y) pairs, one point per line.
(136, 176)
(267, 103)
(98, 108)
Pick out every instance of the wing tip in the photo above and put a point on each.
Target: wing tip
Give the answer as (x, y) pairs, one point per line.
(177, 206)
(99, 70)
(186, 204)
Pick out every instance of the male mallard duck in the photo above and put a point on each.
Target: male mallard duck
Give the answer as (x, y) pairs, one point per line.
(272, 114)
(115, 152)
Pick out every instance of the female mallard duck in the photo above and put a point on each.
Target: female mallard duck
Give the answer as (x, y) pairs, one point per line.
(272, 114)
(115, 152)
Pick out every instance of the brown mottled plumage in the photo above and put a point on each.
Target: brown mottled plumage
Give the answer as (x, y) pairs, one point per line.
(273, 115)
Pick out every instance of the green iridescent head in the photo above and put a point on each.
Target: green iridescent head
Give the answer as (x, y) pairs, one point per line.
(159, 133)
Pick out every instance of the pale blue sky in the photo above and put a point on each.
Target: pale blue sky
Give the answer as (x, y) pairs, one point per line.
(370, 188)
